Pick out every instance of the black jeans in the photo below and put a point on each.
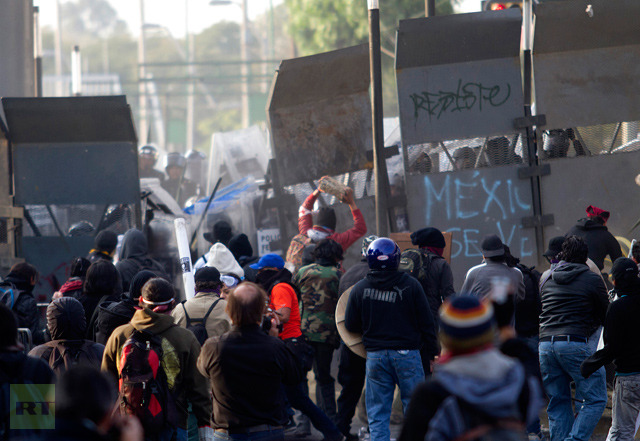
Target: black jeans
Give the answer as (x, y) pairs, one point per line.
(325, 384)
(352, 371)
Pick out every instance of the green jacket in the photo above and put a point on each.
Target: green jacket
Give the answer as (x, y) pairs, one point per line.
(318, 285)
(181, 351)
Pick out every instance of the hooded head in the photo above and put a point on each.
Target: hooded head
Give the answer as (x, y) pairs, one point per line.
(221, 258)
(79, 267)
(221, 232)
(65, 319)
(134, 244)
(240, 246)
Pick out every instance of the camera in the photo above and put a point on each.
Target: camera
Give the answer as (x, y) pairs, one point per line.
(266, 321)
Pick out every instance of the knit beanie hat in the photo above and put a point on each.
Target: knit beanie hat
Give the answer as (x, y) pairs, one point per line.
(326, 218)
(138, 281)
(428, 237)
(106, 241)
(466, 323)
(221, 258)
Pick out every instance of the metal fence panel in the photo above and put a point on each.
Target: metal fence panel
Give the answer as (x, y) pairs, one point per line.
(586, 66)
(320, 114)
(606, 181)
(459, 76)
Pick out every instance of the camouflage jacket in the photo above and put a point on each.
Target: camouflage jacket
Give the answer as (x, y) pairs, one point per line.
(318, 285)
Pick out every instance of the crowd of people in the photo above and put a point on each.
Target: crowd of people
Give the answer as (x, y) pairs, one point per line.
(131, 362)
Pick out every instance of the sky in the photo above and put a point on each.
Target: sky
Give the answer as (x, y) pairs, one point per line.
(169, 13)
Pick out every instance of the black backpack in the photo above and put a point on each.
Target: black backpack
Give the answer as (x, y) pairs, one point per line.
(144, 388)
(417, 264)
(66, 354)
(9, 294)
(199, 326)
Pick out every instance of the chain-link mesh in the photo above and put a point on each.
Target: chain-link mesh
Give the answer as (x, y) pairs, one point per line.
(76, 220)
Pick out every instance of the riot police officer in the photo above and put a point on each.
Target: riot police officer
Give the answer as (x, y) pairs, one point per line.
(147, 158)
(176, 184)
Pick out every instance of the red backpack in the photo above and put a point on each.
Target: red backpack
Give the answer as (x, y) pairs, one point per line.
(144, 390)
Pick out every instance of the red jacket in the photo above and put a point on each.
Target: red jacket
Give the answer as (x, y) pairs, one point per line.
(346, 239)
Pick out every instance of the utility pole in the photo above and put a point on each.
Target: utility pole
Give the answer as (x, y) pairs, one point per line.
(245, 71)
(37, 51)
(142, 89)
(430, 8)
(379, 161)
(190, 125)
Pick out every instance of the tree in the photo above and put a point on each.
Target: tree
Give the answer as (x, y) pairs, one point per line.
(320, 26)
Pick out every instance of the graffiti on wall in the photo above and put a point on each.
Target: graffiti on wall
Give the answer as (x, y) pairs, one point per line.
(472, 205)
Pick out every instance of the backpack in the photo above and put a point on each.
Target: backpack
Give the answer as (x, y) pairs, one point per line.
(9, 294)
(417, 263)
(65, 355)
(144, 390)
(457, 420)
(295, 253)
(199, 326)
(482, 427)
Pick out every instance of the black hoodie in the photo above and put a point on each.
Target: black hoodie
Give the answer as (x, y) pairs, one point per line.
(67, 325)
(599, 240)
(621, 332)
(391, 311)
(26, 307)
(574, 301)
(134, 257)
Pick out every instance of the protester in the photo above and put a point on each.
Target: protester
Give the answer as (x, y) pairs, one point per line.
(593, 229)
(16, 368)
(84, 400)
(324, 227)
(247, 368)
(104, 246)
(275, 279)
(242, 250)
(100, 286)
(112, 314)
(176, 352)
(318, 284)
(475, 390)
(134, 257)
(205, 313)
(464, 158)
(391, 311)
(73, 286)
(574, 304)
(221, 258)
(480, 280)
(429, 266)
(20, 281)
(67, 326)
(621, 332)
(351, 367)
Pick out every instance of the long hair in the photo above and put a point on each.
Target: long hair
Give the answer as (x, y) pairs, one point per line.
(574, 250)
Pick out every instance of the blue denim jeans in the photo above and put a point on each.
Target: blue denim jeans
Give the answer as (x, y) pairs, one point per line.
(560, 365)
(266, 435)
(385, 370)
(299, 400)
